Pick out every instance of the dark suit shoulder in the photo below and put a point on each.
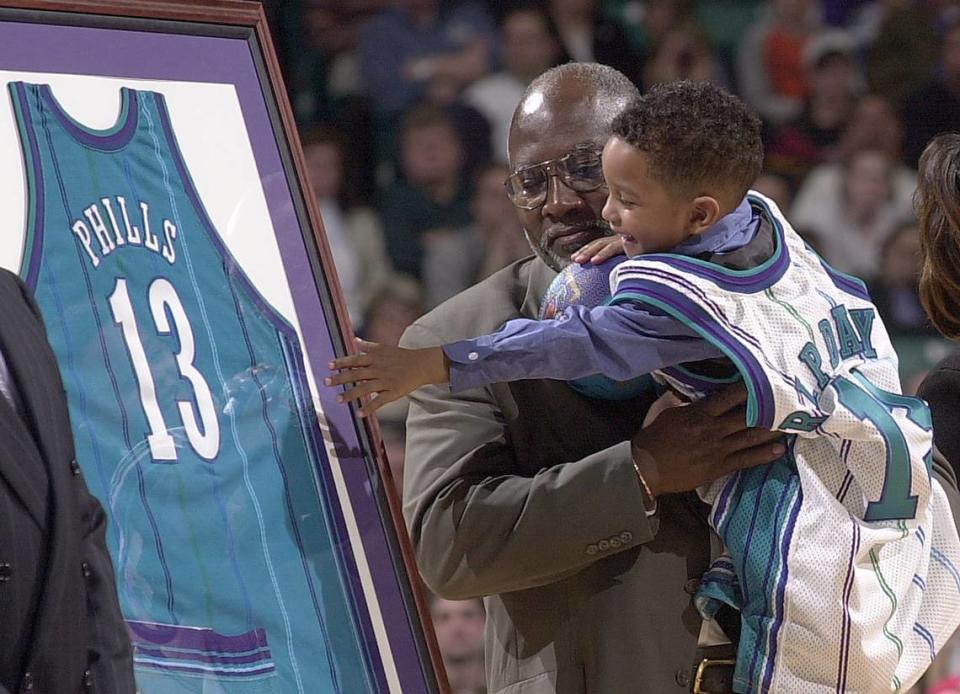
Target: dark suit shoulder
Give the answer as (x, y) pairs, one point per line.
(941, 389)
(509, 293)
(9, 279)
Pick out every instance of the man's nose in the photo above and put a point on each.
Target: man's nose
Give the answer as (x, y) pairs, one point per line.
(560, 197)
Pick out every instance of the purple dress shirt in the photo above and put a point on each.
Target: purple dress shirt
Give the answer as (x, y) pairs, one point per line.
(622, 341)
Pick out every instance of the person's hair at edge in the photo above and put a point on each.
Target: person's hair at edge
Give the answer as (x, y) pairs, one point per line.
(937, 204)
(610, 91)
(697, 138)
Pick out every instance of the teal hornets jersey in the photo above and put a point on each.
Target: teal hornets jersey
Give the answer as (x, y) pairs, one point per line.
(193, 421)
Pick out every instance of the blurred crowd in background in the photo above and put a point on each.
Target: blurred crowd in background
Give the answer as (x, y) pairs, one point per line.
(404, 106)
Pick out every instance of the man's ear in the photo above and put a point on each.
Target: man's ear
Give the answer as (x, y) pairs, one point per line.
(704, 213)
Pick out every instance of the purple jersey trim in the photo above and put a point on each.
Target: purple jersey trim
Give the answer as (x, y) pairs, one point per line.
(113, 138)
(697, 318)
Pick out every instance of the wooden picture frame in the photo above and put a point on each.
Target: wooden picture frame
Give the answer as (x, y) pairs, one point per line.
(162, 216)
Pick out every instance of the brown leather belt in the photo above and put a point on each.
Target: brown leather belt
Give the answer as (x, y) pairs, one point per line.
(713, 670)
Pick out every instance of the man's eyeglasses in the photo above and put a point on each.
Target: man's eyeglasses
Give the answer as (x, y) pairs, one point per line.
(580, 170)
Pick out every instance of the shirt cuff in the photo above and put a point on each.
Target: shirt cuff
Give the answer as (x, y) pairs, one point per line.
(464, 357)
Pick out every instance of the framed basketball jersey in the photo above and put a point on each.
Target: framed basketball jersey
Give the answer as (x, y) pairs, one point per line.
(160, 216)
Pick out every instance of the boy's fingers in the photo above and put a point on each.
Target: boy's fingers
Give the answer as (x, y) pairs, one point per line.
(350, 376)
(587, 252)
(367, 346)
(365, 388)
(376, 403)
(350, 362)
(606, 252)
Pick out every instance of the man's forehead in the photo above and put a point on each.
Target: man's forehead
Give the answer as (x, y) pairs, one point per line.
(549, 124)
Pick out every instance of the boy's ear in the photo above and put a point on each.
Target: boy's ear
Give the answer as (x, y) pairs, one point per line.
(704, 212)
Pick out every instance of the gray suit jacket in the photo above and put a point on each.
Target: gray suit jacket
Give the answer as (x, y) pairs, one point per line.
(526, 493)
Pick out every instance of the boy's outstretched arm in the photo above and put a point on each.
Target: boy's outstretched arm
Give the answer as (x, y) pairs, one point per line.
(387, 372)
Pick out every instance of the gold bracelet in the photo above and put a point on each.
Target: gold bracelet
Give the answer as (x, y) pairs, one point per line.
(649, 500)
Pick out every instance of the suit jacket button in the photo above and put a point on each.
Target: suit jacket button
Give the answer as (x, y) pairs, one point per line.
(85, 569)
(26, 684)
(615, 542)
(75, 467)
(591, 549)
(690, 587)
(6, 571)
(603, 545)
(626, 536)
(87, 679)
(682, 678)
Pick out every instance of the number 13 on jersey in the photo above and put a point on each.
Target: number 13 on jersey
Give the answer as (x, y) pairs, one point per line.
(203, 435)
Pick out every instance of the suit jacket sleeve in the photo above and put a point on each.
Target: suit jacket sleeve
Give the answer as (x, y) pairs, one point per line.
(479, 527)
(108, 642)
(941, 389)
(945, 474)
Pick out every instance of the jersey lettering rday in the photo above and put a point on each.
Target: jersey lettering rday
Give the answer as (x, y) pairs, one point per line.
(843, 555)
(192, 417)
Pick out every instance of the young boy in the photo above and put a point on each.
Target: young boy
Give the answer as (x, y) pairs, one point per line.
(842, 553)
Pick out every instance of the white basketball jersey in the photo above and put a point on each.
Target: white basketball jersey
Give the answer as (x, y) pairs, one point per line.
(845, 551)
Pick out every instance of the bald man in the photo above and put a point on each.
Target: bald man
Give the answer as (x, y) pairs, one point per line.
(526, 493)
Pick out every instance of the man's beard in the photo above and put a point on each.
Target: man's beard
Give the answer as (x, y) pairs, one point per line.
(557, 261)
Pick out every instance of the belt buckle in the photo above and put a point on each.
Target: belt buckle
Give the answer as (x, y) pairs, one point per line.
(704, 665)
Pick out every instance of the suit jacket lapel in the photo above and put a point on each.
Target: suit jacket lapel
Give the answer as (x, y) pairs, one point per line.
(538, 279)
(21, 464)
(26, 452)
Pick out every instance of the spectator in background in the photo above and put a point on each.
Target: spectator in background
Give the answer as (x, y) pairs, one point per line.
(895, 289)
(588, 36)
(935, 108)
(396, 306)
(354, 233)
(853, 209)
(494, 240)
(530, 44)
(328, 74)
(646, 22)
(434, 195)
(424, 49)
(776, 188)
(840, 12)
(813, 137)
(770, 69)
(459, 625)
(875, 124)
(683, 53)
(903, 49)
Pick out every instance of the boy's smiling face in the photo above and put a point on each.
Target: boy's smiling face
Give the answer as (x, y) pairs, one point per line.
(641, 210)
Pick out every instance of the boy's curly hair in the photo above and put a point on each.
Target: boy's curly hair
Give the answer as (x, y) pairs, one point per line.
(696, 136)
